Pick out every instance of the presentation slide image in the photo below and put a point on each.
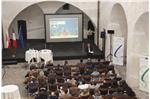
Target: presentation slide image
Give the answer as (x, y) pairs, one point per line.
(63, 28)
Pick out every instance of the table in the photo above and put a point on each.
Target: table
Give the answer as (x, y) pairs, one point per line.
(30, 54)
(47, 55)
(10, 92)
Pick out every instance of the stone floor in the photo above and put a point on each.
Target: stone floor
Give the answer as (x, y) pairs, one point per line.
(14, 74)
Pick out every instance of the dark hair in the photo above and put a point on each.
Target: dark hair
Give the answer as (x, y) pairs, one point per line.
(81, 60)
(66, 62)
(90, 26)
(65, 90)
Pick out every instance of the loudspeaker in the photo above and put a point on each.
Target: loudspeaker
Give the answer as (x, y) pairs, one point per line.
(110, 31)
(103, 34)
(66, 6)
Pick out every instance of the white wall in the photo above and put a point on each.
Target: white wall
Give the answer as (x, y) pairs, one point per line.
(117, 22)
(34, 18)
(132, 12)
(14, 7)
(50, 7)
(73, 9)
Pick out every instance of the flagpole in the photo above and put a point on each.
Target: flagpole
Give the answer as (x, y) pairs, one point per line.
(14, 44)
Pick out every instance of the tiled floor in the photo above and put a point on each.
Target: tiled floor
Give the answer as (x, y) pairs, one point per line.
(14, 74)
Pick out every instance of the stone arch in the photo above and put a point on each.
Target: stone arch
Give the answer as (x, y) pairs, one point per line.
(139, 49)
(40, 1)
(25, 15)
(141, 34)
(85, 16)
(40, 6)
(10, 17)
(118, 23)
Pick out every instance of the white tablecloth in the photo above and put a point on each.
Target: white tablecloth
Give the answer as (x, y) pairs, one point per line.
(10, 92)
(30, 54)
(46, 54)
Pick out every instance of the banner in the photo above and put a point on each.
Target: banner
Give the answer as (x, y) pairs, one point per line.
(21, 40)
(118, 50)
(144, 74)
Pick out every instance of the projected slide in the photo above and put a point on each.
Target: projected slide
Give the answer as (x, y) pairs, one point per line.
(63, 28)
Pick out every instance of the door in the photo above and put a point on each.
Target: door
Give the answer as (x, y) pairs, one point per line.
(22, 23)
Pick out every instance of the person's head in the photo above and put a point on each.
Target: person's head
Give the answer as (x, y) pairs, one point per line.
(53, 93)
(41, 73)
(66, 62)
(64, 90)
(32, 66)
(95, 69)
(89, 60)
(81, 60)
(58, 65)
(98, 59)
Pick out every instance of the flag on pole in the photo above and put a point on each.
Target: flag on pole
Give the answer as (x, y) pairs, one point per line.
(21, 40)
(8, 43)
(14, 39)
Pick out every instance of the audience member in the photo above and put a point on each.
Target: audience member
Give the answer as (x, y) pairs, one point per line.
(59, 72)
(53, 96)
(81, 67)
(67, 69)
(42, 94)
(51, 77)
(63, 93)
(95, 73)
(74, 91)
(42, 79)
(32, 86)
(99, 87)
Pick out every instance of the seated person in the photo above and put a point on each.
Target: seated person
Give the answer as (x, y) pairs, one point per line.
(103, 89)
(32, 71)
(59, 72)
(87, 73)
(81, 66)
(85, 94)
(63, 93)
(51, 77)
(42, 79)
(96, 74)
(67, 69)
(90, 64)
(42, 94)
(97, 94)
(127, 89)
(53, 87)
(32, 86)
(53, 95)
(75, 70)
(29, 77)
(74, 90)
(73, 81)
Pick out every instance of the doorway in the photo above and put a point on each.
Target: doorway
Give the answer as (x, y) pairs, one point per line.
(22, 24)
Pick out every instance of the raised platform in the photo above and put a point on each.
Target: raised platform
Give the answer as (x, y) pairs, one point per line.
(61, 51)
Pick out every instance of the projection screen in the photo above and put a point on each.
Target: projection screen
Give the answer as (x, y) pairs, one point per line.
(63, 28)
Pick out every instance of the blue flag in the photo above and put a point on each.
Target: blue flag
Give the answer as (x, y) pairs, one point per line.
(21, 41)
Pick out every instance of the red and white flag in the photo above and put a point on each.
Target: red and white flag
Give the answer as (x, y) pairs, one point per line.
(8, 43)
(14, 40)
